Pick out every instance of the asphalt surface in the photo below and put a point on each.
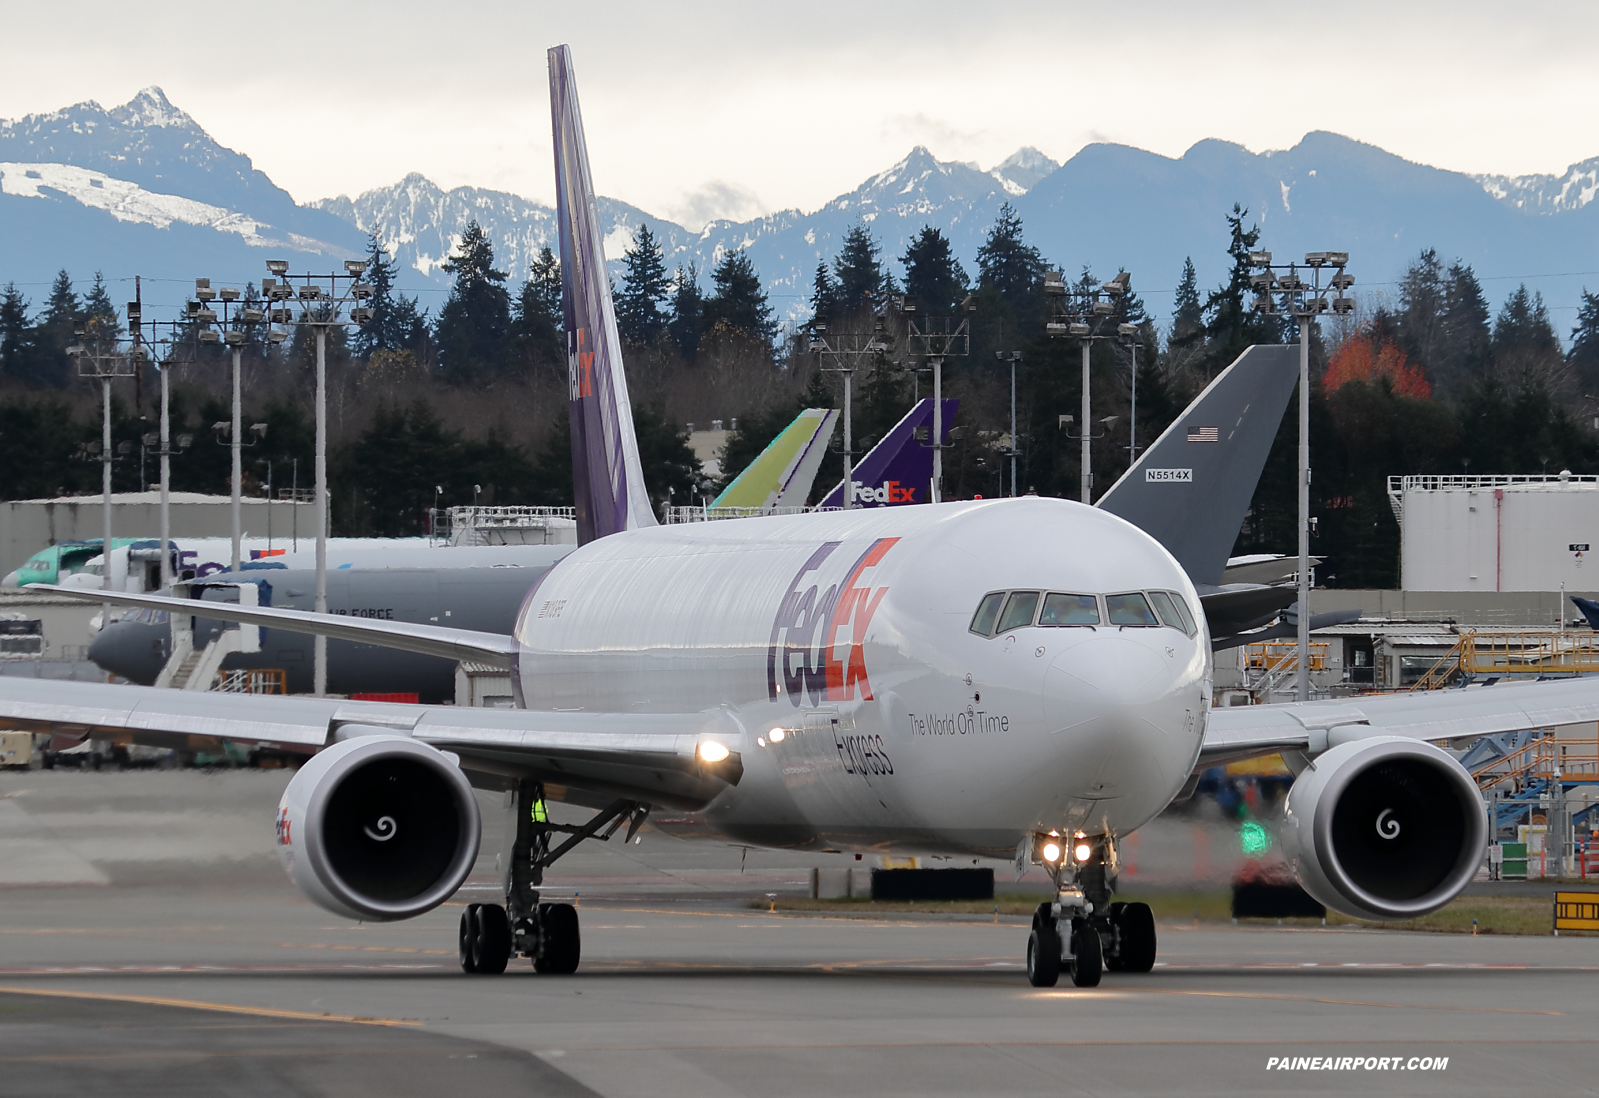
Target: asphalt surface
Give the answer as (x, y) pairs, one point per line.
(150, 945)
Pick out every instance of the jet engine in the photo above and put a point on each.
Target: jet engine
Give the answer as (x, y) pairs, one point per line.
(379, 827)
(1385, 828)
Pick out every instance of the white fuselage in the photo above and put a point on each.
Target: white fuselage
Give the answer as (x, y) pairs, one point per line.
(848, 632)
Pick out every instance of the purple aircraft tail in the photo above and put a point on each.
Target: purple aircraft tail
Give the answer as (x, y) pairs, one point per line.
(607, 476)
(898, 469)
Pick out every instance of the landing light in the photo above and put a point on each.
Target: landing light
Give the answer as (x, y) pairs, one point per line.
(1083, 852)
(776, 735)
(712, 751)
(1051, 852)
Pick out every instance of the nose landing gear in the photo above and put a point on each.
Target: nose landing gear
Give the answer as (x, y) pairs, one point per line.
(1081, 931)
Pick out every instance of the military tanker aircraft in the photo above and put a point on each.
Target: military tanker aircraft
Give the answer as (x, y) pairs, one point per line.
(1020, 678)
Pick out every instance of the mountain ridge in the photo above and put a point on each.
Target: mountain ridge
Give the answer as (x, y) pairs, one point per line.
(142, 187)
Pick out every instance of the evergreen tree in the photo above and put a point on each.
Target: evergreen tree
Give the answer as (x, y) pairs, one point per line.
(553, 466)
(1584, 356)
(16, 338)
(99, 313)
(475, 321)
(688, 312)
(739, 303)
(644, 287)
(1465, 342)
(393, 316)
(934, 278)
(1188, 313)
(824, 292)
(671, 471)
(1525, 349)
(862, 282)
(1231, 326)
(537, 325)
(1420, 322)
(56, 331)
(1013, 269)
(1523, 325)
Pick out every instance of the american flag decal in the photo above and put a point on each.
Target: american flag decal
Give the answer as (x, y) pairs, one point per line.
(1204, 434)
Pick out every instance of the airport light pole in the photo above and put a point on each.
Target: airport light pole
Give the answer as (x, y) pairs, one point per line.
(934, 338)
(100, 356)
(325, 300)
(846, 349)
(1079, 312)
(163, 439)
(235, 320)
(1013, 357)
(1282, 290)
(1128, 333)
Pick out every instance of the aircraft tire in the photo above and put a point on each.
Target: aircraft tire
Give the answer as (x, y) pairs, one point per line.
(467, 935)
(1137, 938)
(1114, 960)
(1088, 958)
(492, 946)
(1043, 957)
(560, 940)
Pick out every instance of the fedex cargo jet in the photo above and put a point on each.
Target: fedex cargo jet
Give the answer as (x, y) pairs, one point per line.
(1020, 678)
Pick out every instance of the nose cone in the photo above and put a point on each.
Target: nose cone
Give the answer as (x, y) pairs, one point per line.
(1124, 704)
(13, 579)
(135, 650)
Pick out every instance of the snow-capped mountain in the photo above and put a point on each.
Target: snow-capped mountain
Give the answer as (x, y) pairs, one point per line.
(419, 222)
(1546, 194)
(142, 188)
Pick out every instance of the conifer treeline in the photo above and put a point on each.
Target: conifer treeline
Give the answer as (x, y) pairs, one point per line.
(471, 403)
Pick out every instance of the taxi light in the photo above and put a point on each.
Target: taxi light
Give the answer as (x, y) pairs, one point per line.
(1051, 852)
(776, 735)
(1083, 852)
(713, 751)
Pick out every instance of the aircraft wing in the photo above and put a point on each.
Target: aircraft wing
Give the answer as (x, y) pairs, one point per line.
(496, 649)
(1438, 715)
(646, 757)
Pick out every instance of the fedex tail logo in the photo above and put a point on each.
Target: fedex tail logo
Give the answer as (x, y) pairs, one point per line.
(890, 491)
(579, 365)
(817, 648)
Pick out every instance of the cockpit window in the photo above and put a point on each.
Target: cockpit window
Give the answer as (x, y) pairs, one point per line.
(1019, 610)
(1169, 605)
(1189, 625)
(1129, 609)
(987, 611)
(1062, 609)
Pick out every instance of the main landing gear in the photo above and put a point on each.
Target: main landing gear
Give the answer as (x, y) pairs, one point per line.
(1081, 931)
(548, 933)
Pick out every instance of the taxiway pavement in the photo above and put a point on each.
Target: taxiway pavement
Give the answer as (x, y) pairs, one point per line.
(158, 949)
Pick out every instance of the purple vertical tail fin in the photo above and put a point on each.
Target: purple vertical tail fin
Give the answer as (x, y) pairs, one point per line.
(899, 469)
(607, 476)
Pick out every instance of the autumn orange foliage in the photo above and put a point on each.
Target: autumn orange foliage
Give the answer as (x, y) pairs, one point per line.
(1363, 359)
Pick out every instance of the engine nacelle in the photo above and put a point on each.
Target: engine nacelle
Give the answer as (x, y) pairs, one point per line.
(1385, 828)
(379, 827)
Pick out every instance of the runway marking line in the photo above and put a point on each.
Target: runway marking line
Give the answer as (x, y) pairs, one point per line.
(201, 1004)
(1330, 1002)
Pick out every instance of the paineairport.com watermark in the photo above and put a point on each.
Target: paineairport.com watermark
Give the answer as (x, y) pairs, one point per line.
(1357, 1063)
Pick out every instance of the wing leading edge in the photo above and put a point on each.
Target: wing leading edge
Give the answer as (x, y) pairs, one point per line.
(647, 757)
(1439, 715)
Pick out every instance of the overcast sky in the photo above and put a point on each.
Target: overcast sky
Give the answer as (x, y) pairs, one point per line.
(732, 109)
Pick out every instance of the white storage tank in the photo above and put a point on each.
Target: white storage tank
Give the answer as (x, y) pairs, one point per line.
(1497, 533)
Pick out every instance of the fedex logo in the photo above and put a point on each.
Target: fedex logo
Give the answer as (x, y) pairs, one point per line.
(579, 365)
(284, 838)
(890, 491)
(817, 647)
